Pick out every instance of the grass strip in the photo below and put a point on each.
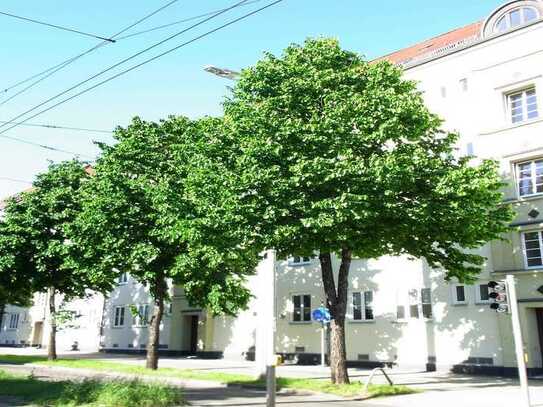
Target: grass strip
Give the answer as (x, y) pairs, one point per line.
(316, 385)
(123, 393)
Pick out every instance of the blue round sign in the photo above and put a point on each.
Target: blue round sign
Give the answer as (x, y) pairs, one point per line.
(321, 314)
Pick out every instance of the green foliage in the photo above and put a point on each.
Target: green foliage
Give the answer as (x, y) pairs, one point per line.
(337, 153)
(140, 216)
(121, 393)
(34, 243)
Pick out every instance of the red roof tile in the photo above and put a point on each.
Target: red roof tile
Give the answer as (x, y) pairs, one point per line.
(441, 42)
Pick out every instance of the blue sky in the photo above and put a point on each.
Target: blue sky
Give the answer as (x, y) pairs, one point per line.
(176, 84)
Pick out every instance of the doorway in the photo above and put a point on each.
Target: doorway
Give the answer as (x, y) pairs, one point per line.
(194, 334)
(37, 334)
(539, 316)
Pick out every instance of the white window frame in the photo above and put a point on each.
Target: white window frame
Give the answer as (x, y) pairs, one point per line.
(524, 104)
(410, 300)
(525, 254)
(141, 319)
(478, 299)
(454, 294)
(422, 303)
(507, 17)
(364, 306)
(302, 309)
(13, 321)
(533, 177)
(122, 279)
(120, 318)
(299, 260)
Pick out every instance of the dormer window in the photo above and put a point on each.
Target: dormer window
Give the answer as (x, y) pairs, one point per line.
(515, 18)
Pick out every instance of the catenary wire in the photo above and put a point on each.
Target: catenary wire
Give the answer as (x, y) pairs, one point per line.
(171, 37)
(54, 126)
(145, 62)
(46, 147)
(185, 20)
(54, 69)
(59, 27)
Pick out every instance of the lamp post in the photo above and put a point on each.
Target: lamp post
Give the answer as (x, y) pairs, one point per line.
(266, 303)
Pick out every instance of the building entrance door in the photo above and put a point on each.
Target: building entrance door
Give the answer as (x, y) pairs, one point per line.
(539, 316)
(38, 334)
(193, 333)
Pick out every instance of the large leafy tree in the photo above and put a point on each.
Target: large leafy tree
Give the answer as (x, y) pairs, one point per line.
(141, 217)
(340, 156)
(34, 247)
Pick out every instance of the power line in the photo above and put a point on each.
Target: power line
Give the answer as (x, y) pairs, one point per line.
(56, 26)
(146, 62)
(54, 69)
(179, 22)
(15, 180)
(53, 126)
(44, 146)
(124, 61)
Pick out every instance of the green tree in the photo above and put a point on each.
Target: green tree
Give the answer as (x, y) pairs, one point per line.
(141, 217)
(34, 247)
(340, 156)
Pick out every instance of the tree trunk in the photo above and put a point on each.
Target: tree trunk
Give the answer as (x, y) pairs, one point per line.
(154, 326)
(52, 346)
(337, 304)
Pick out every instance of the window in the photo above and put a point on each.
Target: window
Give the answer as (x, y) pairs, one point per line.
(532, 249)
(119, 317)
(122, 279)
(516, 18)
(142, 316)
(302, 308)
(530, 177)
(426, 300)
(481, 293)
(459, 294)
(299, 260)
(13, 321)
(362, 306)
(413, 304)
(522, 105)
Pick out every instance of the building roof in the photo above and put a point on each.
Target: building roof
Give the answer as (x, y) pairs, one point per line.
(436, 46)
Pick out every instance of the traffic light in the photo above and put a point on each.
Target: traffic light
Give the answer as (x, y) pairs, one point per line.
(498, 295)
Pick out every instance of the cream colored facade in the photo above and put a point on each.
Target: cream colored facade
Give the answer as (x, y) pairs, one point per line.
(31, 326)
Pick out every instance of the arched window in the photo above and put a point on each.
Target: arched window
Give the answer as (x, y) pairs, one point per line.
(515, 18)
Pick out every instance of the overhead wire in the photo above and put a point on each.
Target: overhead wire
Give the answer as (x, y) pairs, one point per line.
(231, 22)
(54, 126)
(15, 180)
(171, 37)
(54, 69)
(59, 27)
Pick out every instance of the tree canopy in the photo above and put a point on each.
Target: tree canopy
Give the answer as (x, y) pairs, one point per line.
(139, 217)
(34, 244)
(340, 155)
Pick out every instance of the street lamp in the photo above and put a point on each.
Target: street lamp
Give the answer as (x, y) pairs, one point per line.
(222, 72)
(265, 336)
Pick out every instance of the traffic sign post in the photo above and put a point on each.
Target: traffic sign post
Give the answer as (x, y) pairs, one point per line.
(322, 315)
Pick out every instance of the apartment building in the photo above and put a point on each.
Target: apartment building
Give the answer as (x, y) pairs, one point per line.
(485, 80)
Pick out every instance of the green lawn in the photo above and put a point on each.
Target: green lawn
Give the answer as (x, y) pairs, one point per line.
(324, 386)
(88, 393)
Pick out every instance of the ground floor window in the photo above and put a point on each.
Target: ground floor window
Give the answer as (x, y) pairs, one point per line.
(363, 306)
(13, 321)
(417, 302)
(302, 308)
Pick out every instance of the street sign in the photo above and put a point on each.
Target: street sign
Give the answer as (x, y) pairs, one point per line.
(321, 314)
